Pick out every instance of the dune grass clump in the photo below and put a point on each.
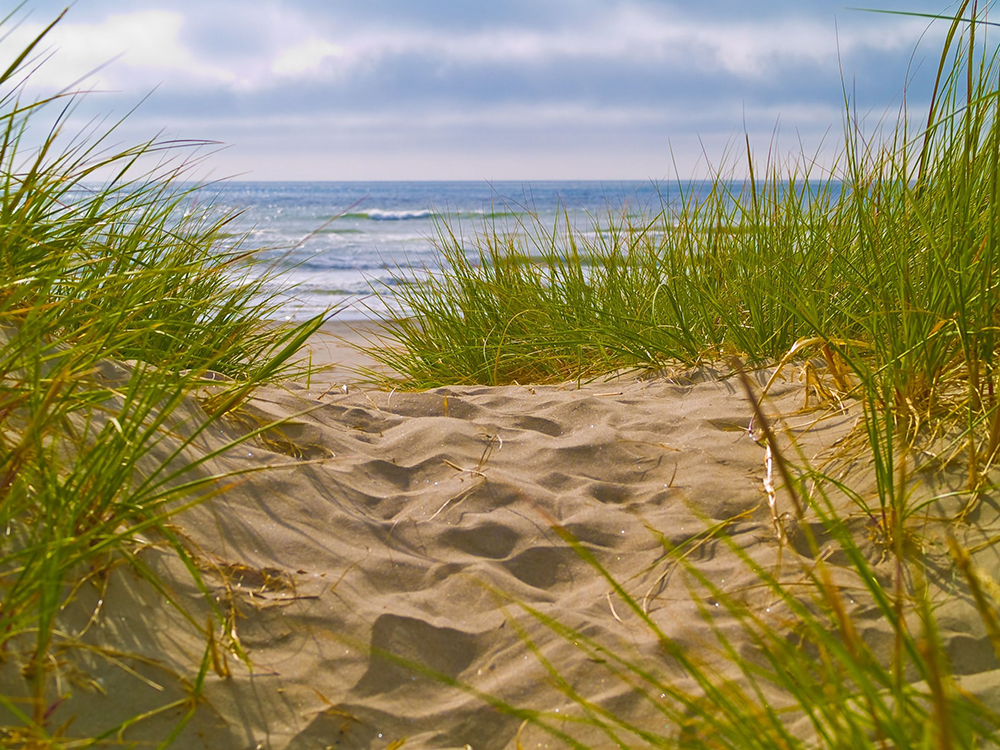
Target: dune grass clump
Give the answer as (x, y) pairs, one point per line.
(885, 265)
(120, 298)
(879, 279)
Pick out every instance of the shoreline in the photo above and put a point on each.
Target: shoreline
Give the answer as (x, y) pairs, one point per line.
(332, 350)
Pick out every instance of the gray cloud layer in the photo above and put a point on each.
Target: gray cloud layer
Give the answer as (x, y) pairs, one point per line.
(394, 89)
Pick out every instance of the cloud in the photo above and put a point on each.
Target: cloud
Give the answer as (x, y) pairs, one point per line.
(587, 79)
(632, 34)
(526, 118)
(145, 47)
(269, 44)
(306, 57)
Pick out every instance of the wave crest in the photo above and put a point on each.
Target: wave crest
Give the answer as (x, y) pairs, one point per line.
(378, 214)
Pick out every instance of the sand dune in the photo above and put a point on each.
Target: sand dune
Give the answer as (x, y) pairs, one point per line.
(410, 523)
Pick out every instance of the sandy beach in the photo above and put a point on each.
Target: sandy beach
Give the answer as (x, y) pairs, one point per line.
(332, 350)
(422, 525)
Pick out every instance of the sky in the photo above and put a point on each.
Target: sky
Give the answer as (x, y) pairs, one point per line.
(477, 90)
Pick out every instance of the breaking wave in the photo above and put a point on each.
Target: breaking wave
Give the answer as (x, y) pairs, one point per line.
(378, 214)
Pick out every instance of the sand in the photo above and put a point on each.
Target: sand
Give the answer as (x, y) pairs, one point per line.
(411, 523)
(333, 349)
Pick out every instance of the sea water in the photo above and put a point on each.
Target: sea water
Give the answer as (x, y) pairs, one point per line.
(333, 244)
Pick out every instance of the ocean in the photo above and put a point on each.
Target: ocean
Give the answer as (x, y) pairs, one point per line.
(334, 242)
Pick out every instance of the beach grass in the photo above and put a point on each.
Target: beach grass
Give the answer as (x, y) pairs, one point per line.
(876, 278)
(884, 265)
(880, 274)
(122, 301)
